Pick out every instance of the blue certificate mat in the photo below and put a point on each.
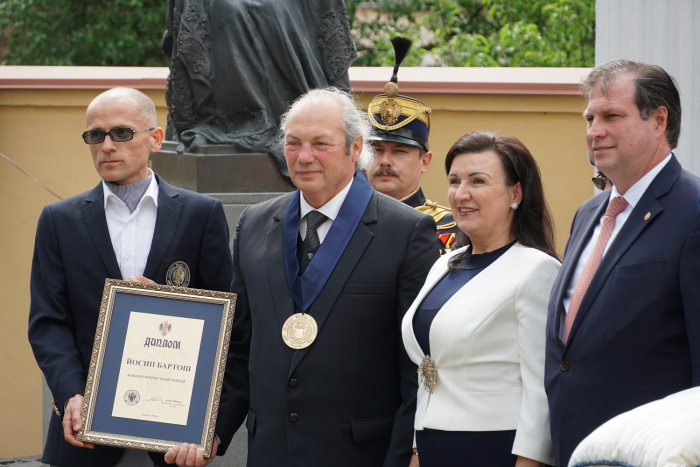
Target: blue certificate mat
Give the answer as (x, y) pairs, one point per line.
(157, 366)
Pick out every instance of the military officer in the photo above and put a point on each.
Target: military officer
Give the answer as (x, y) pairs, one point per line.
(400, 140)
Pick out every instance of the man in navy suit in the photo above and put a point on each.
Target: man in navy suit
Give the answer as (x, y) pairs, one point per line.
(624, 315)
(132, 225)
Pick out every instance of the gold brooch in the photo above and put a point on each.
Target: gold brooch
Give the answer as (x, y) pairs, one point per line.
(427, 371)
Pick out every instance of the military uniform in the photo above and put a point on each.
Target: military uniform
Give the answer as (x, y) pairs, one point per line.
(446, 226)
(405, 120)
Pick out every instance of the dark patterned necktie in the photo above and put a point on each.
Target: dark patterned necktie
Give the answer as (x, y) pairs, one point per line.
(312, 242)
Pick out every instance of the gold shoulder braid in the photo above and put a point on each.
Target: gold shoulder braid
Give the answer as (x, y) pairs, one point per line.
(438, 212)
(55, 409)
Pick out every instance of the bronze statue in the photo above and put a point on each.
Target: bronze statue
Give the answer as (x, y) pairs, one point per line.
(235, 66)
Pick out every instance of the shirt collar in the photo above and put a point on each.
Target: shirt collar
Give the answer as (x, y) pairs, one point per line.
(634, 194)
(151, 191)
(414, 199)
(330, 209)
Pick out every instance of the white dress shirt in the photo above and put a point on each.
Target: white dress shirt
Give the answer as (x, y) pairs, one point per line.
(633, 195)
(132, 233)
(330, 210)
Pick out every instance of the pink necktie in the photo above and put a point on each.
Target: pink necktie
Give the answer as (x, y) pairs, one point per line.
(615, 207)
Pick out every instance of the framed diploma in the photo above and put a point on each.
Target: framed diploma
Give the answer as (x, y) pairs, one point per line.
(157, 366)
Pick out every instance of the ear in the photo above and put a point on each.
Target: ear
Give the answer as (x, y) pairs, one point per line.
(517, 192)
(356, 148)
(425, 161)
(660, 117)
(157, 139)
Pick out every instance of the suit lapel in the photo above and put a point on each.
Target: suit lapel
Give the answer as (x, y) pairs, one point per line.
(411, 343)
(322, 306)
(634, 226)
(579, 241)
(96, 222)
(284, 305)
(167, 220)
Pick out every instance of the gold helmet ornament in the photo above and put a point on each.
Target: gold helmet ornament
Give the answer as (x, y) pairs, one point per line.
(398, 118)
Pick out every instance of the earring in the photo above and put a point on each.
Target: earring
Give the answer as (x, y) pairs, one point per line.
(514, 205)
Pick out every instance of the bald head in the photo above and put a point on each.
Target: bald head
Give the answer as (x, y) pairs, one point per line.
(123, 162)
(143, 105)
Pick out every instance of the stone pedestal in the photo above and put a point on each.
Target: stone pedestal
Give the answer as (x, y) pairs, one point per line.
(235, 204)
(216, 168)
(238, 180)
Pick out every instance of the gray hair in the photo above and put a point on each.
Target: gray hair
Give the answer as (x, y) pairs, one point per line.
(653, 88)
(353, 121)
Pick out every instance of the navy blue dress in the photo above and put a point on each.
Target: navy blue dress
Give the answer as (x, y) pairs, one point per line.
(437, 448)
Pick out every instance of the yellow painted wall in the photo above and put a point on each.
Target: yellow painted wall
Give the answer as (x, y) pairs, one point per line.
(40, 130)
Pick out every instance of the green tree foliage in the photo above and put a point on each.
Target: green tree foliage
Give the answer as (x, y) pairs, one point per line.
(547, 33)
(445, 32)
(84, 32)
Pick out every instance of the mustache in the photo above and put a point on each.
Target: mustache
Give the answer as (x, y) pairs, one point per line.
(385, 171)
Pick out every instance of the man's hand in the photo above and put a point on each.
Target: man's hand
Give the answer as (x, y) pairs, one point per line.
(189, 455)
(143, 279)
(72, 423)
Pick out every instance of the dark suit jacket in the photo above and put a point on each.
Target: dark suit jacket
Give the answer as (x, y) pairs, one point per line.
(636, 337)
(354, 389)
(73, 256)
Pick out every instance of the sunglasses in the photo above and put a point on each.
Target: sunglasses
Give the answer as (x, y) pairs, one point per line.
(600, 181)
(119, 134)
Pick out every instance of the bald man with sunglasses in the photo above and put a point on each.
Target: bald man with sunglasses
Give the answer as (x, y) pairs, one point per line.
(131, 226)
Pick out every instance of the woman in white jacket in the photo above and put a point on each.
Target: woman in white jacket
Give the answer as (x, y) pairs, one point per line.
(477, 327)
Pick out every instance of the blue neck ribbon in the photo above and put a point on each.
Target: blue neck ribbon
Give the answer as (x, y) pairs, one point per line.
(305, 289)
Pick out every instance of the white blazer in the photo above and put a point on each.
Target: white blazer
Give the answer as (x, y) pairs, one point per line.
(488, 342)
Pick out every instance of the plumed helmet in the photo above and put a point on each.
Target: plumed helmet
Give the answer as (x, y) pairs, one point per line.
(398, 118)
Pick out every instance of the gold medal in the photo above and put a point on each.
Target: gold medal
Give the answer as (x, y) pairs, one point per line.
(299, 331)
(178, 274)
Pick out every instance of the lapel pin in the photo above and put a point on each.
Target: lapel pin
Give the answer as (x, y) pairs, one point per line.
(647, 216)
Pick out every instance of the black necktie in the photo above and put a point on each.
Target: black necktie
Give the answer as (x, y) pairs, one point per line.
(314, 219)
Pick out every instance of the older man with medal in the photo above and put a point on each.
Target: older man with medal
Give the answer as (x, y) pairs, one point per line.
(324, 276)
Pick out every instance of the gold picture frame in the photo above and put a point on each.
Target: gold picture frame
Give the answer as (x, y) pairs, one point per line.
(211, 312)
